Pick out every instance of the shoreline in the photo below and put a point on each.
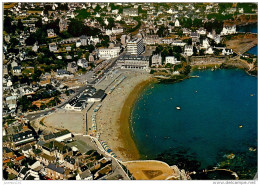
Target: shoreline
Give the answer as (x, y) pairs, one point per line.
(124, 130)
(113, 126)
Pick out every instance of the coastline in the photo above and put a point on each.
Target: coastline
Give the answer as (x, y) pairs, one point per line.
(124, 130)
(113, 117)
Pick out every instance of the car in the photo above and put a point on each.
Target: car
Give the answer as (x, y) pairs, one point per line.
(33, 116)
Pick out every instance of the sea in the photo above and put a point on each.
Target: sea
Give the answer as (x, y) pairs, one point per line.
(216, 125)
(251, 28)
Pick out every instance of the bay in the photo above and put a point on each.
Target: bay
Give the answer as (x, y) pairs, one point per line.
(218, 118)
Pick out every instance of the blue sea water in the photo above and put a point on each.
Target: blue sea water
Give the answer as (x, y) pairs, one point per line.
(253, 29)
(253, 50)
(213, 107)
(248, 28)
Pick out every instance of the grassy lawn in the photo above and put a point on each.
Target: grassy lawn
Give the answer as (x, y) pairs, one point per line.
(28, 71)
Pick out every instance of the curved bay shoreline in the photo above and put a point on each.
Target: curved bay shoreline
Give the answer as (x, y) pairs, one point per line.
(125, 126)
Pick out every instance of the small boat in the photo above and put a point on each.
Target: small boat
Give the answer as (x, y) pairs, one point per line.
(251, 94)
(240, 126)
(196, 91)
(178, 108)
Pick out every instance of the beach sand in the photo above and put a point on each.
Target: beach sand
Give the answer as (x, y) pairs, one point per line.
(113, 116)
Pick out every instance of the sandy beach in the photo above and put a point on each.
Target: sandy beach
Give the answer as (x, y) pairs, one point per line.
(113, 116)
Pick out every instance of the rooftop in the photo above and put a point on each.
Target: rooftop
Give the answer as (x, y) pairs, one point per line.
(56, 168)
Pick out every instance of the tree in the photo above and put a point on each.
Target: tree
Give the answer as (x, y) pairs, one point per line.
(97, 9)
(8, 27)
(43, 106)
(194, 51)
(38, 23)
(186, 22)
(197, 23)
(202, 52)
(111, 23)
(20, 25)
(63, 6)
(53, 25)
(177, 49)
(14, 42)
(216, 25)
(36, 75)
(47, 8)
(162, 32)
(30, 40)
(187, 69)
(76, 28)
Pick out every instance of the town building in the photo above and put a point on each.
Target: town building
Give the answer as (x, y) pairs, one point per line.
(58, 136)
(123, 40)
(61, 73)
(205, 44)
(55, 172)
(202, 31)
(108, 53)
(51, 33)
(75, 105)
(228, 30)
(177, 23)
(83, 40)
(226, 51)
(135, 46)
(17, 70)
(188, 50)
(72, 67)
(133, 62)
(23, 137)
(156, 60)
(178, 43)
(98, 96)
(195, 37)
(130, 12)
(53, 47)
(171, 60)
(63, 25)
(209, 51)
(82, 63)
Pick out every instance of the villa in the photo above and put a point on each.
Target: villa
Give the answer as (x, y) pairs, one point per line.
(171, 60)
(228, 30)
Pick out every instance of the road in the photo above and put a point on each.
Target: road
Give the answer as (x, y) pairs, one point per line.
(38, 114)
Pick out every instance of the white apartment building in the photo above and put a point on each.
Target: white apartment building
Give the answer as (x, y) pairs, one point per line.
(133, 62)
(205, 44)
(130, 12)
(188, 50)
(108, 53)
(50, 33)
(115, 31)
(171, 60)
(178, 43)
(209, 51)
(156, 60)
(228, 30)
(135, 46)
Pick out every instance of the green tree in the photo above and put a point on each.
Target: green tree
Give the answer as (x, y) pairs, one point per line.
(30, 40)
(20, 25)
(162, 32)
(111, 22)
(195, 51)
(8, 27)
